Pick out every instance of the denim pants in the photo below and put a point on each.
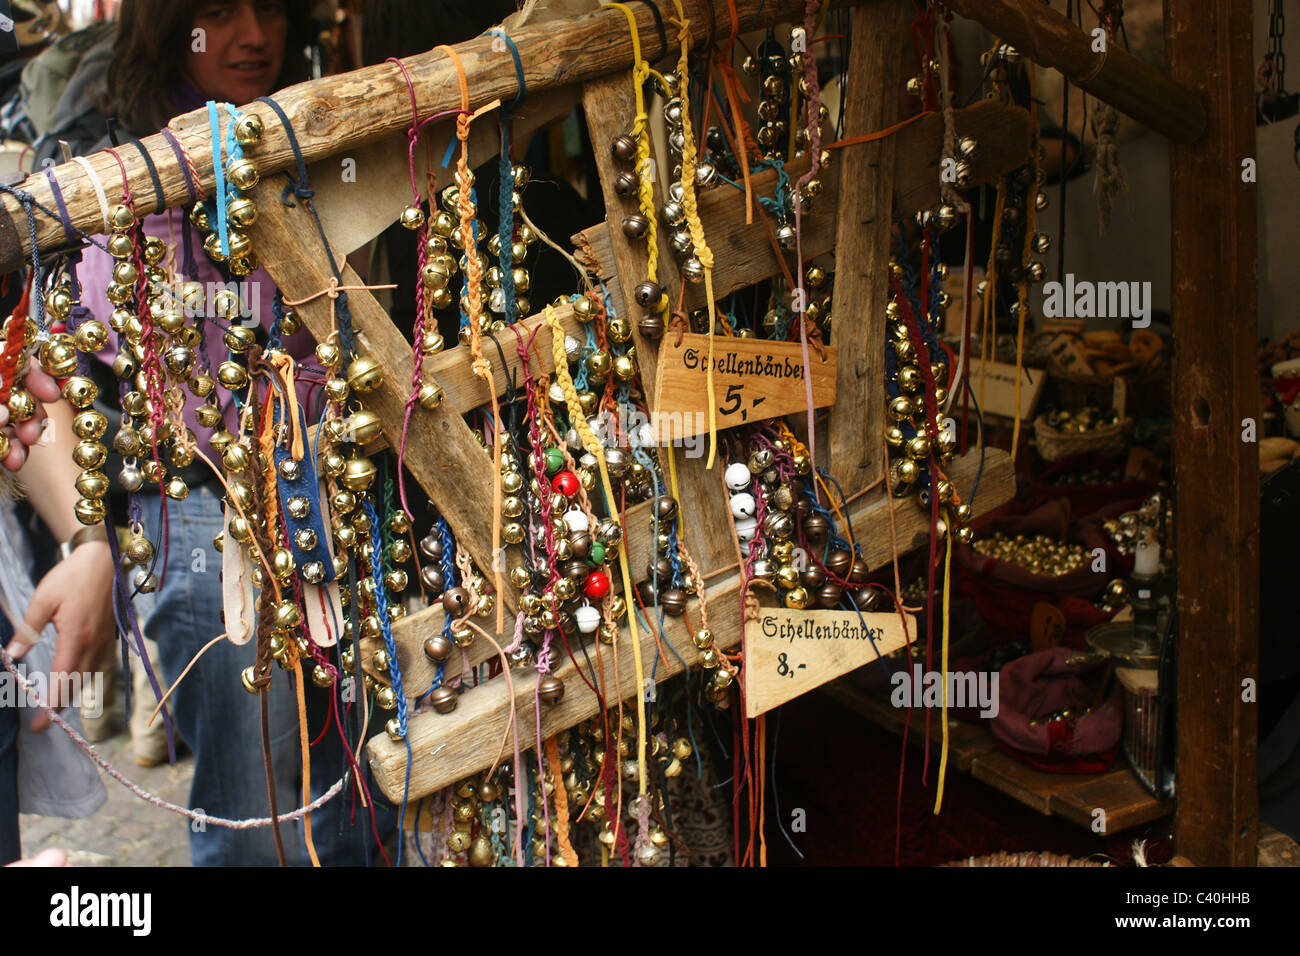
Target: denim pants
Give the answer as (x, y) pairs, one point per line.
(221, 721)
(10, 848)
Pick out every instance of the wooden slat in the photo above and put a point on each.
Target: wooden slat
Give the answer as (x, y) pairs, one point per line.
(862, 245)
(449, 747)
(1216, 473)
(1117, 77)
(335, 114)
(441, 452)
(1117, 792)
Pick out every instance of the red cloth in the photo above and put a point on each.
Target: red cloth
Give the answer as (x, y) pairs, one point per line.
(1036, 685)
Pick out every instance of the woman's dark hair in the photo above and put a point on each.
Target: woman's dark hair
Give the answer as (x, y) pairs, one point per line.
(153, 41)
(403, 28)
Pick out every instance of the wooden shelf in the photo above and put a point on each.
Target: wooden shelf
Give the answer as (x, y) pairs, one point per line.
(971, 747)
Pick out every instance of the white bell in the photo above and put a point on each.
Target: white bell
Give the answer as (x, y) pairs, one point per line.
(576, 519)
(742, 504)
(587, 618)
(746, 528)
(572, 348)
(737, 476)
(557, 394)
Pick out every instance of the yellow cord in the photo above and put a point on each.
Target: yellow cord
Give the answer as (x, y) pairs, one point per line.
(593, 446)
(943, 753)
(702, 250)
(641, 133)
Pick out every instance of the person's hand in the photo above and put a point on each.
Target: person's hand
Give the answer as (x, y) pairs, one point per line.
(52, 857)
(25, 434)
(77, 595)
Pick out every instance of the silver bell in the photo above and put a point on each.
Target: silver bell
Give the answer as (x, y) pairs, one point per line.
(131, 478)
(785, 236)
(144, 581)
(693, 270)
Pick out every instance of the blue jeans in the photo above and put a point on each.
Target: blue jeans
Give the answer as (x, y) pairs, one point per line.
(221, 721)
(10, 846)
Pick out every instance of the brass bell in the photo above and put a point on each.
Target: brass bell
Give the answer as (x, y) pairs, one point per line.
(444, 700)
(358, 474)
(177, 489)
(438, 648)
(550, 688)
(243, 174)
(88, 511)
(412, 217)
(243, 213)
(92, 484)
(386, 698)
(431, 395)
(365, 374)
(248, 129)
(363, 427)
(89, 455)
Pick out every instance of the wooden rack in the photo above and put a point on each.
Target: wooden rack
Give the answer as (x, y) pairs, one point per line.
(1203, 106)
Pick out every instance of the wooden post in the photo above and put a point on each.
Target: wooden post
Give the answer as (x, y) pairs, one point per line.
(1115, 76)
(862, 244)
(1216, 476)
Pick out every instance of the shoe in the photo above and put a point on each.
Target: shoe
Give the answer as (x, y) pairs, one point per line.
(148, 742)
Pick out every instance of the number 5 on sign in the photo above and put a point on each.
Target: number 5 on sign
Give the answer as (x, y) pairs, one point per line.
(753, 380)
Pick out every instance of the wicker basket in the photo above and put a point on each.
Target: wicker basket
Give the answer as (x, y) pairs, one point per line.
(1053, 445)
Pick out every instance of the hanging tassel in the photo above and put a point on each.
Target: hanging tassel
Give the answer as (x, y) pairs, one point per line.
(1110, 180)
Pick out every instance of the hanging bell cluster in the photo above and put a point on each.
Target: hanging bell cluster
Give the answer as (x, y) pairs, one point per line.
(240, 209)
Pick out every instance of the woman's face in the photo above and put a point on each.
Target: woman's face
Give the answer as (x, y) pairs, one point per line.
(237, 48)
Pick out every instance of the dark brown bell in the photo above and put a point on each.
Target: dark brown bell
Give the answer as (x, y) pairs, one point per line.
(624, 148)
(813, 578)
(651, 326)
(646, 591)
(438, 648)
(456, 602)
(816, 527)
(581, 544)
(673, 602)
(550, 688)
(666, 507)
(443, 699)
(828, 595)
(648, 294)
(431, 546)
(661, 567)
(626, 184)
(859, 572)
(868, 599)
(635, 226)
(431, 575)
(803, 508)
(839, 563)
(576, 569)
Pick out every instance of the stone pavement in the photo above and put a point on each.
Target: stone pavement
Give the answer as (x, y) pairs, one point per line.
(125, 831)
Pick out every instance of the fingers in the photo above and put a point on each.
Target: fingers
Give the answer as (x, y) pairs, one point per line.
(29, 432)
(52, 857)
(41, 385)
(15, 458)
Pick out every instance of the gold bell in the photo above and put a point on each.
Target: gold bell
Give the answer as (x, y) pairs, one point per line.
(431, 395)
(363, 427)
(248, 129)
(243, 174)
(365, 374)
(358, 474)
(88, 511)
(412, 217)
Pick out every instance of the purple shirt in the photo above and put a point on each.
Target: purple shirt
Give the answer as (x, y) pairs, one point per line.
(256, 292)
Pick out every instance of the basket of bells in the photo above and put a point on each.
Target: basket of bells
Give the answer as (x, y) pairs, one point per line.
(1090, 430)
(1083, 369)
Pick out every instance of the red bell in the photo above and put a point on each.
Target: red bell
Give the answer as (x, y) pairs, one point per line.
(597, 585)
(566, 483)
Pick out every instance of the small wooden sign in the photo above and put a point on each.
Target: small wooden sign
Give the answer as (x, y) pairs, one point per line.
(753, 379)
(1068, 356)
(995, 385)
(789, 652)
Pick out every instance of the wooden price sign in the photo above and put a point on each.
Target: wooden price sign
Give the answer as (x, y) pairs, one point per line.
(753, 379)
(789, 652)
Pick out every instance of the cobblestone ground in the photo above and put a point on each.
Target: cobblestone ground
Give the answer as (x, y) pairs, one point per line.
(125, 831)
